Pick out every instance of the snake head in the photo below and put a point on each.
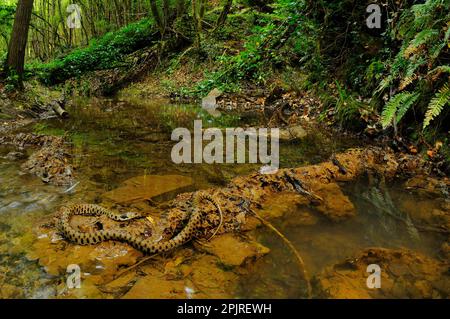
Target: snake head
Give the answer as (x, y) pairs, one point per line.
(128, 216)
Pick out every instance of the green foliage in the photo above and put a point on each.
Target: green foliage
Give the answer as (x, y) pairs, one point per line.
(104, 53)
(12, 81)
(397, 107)
(424, 31)
(6, 22)
(437, 104)
(347, 108)
(264, 50)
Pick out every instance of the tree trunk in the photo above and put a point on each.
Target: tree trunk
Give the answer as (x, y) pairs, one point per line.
(180, 8)
(224, 14)
(19, 37)
(157, 16)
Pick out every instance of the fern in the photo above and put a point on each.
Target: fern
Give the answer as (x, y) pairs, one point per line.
(424, 30)
(398, 105)
(437, 105)
(423, 13)
(409, 75)
(437, 48)
(421, 38)
(406, 106)
(440, 69)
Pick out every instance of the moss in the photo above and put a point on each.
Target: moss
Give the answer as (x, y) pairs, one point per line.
(45, 129)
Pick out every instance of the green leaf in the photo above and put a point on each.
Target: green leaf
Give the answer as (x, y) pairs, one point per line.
(437, 105)
(397, 105)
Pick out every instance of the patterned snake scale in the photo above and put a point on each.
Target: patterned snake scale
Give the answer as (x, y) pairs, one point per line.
(144, 245)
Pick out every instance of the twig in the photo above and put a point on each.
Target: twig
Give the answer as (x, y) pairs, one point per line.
(302, 267)
(132, 267)
(221, 218)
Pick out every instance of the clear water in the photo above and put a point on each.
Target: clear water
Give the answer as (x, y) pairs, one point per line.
(114, 140)
(380, 211)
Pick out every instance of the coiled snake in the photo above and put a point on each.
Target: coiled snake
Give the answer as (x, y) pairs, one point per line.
(144, 245)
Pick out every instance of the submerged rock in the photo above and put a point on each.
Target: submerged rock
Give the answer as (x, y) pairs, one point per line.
(234, 251)
(13, 156)
(335, 205)
(211, 280)
(145, 187)
(185, 276)
(292, 133)
(404, 274)
(427, 185)
(51, 162)
(157, 287)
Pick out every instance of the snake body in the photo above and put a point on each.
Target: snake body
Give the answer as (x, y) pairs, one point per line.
(144, 245)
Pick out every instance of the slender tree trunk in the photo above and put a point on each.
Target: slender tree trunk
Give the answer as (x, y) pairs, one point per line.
(198, 12)
(180, 8)
(166, 8)
(19, 37)
(196, 23)
(224, 14)
(157, 16)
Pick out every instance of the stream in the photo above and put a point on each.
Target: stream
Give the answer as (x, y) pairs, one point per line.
(117, 139)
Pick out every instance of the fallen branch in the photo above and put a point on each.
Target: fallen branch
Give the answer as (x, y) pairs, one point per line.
(58, 109)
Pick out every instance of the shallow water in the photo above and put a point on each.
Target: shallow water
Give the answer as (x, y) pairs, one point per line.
(381, 221)
(114, 140)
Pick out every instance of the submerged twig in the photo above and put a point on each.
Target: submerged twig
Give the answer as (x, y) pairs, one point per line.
(71, 188)
(300, 261)
(121, 273)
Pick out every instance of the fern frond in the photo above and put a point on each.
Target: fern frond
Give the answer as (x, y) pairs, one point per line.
(423, 13)
(384, 84)
(410, 72)
(407, 103)
(437, 48)
(400, 102)
(407, 81)
(424, 36)
(437, 105)
(421, 38)
(437, 71)
(440, 69)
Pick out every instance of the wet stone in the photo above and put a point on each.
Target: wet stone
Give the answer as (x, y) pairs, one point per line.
(232, 250)
(335, 205)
